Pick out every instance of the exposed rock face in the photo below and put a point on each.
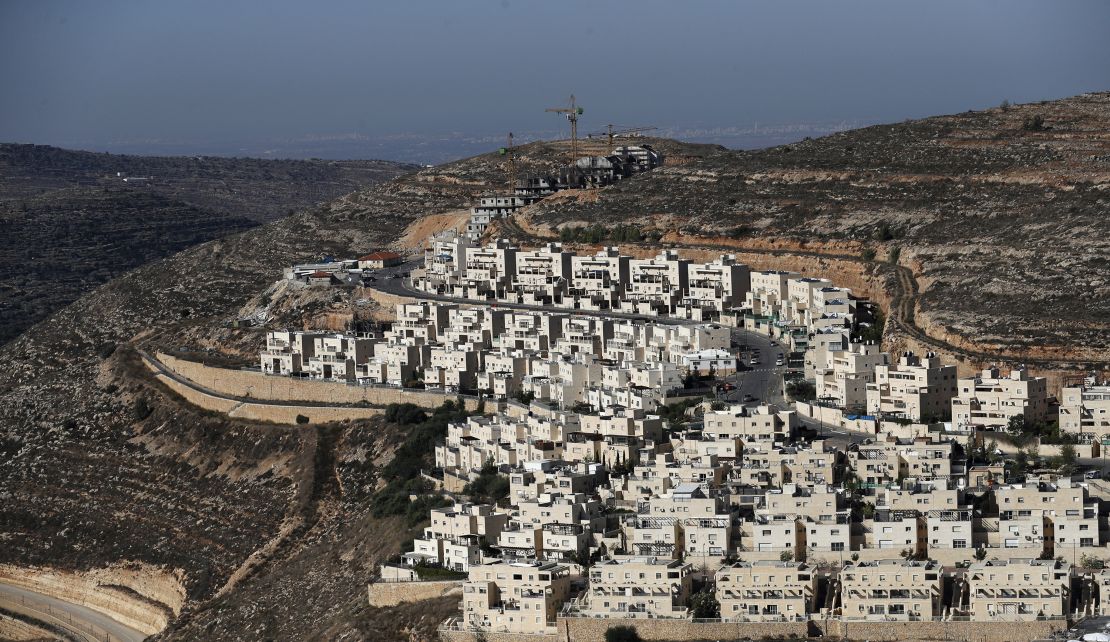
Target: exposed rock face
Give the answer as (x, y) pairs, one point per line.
(269, 525)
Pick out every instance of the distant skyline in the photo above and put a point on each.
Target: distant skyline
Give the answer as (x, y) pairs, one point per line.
(428, 80)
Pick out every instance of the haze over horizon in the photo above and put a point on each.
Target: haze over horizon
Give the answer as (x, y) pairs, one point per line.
(351, 80)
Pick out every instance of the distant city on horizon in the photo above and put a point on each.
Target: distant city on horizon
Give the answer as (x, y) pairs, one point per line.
(442, 147)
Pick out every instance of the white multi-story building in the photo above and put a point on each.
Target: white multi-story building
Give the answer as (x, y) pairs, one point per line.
(1085, 410)
(989, 400)
(915, 388)
(843, 376)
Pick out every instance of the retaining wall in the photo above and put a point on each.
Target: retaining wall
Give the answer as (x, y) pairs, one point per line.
(251, 384)
(962, 630)
(835, 417)
(267, 412)
(393, 593)
(593, 629)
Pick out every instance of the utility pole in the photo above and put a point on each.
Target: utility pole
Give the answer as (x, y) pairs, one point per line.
(572, 113)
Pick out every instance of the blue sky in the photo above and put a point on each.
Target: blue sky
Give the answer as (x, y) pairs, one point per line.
(207, 71)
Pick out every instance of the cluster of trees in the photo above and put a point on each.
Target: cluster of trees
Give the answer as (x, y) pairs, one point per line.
(422, 432)
(489, 487)
(598, 233)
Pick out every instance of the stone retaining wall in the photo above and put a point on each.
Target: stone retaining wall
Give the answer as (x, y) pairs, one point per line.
(252, 384)
(393, 593)
(928, 631)
(267, 412)
(593, 629)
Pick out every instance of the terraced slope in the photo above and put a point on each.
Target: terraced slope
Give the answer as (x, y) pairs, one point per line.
(99, 465)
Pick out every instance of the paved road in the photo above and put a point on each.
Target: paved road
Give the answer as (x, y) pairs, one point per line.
(84, 621)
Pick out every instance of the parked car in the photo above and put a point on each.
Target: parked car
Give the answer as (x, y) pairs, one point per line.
(1093, 474)
(749, 399)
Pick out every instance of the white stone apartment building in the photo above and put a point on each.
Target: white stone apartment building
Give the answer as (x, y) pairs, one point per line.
(714, 287)
(638, 587)
(763, 423)
(287, 352)
(490, 208)
(765, 590)
(454, 537)
(914, 388)
(530, 331)
(1019, 589)
(891, 589)
(843, 376)
(444, 260)
(989, 400)
(1085, 410)
(420, 323)
(542, 275)
(655, 285)
(336, 356)
(596, 280)
(488, 271)
(522, 597)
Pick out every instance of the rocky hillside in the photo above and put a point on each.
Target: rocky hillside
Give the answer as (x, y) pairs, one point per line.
(1002, 236)
(1000, 215)
(71, 222)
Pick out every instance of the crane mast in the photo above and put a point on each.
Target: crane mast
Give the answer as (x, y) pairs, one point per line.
(572, 113)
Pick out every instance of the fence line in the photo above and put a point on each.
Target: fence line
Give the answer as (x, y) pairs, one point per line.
(63, 619)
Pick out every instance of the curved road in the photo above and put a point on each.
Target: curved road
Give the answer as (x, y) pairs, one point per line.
(81, 621)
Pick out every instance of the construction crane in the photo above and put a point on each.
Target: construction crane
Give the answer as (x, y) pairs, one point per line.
(510, 153)
(613, 133)
(572, 113)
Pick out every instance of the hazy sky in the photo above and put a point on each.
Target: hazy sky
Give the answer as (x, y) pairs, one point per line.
(206, 71)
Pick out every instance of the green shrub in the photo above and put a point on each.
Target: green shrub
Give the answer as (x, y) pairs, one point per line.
(142, 409)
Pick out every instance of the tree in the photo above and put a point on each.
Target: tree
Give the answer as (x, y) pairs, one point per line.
(1016, 425)
(1067, 459)
(622, 633)
(786, 556)
(868, 254)
(1004, 105)
(1034, 123)
(980, 554)
(705, 605)
(894, 254)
